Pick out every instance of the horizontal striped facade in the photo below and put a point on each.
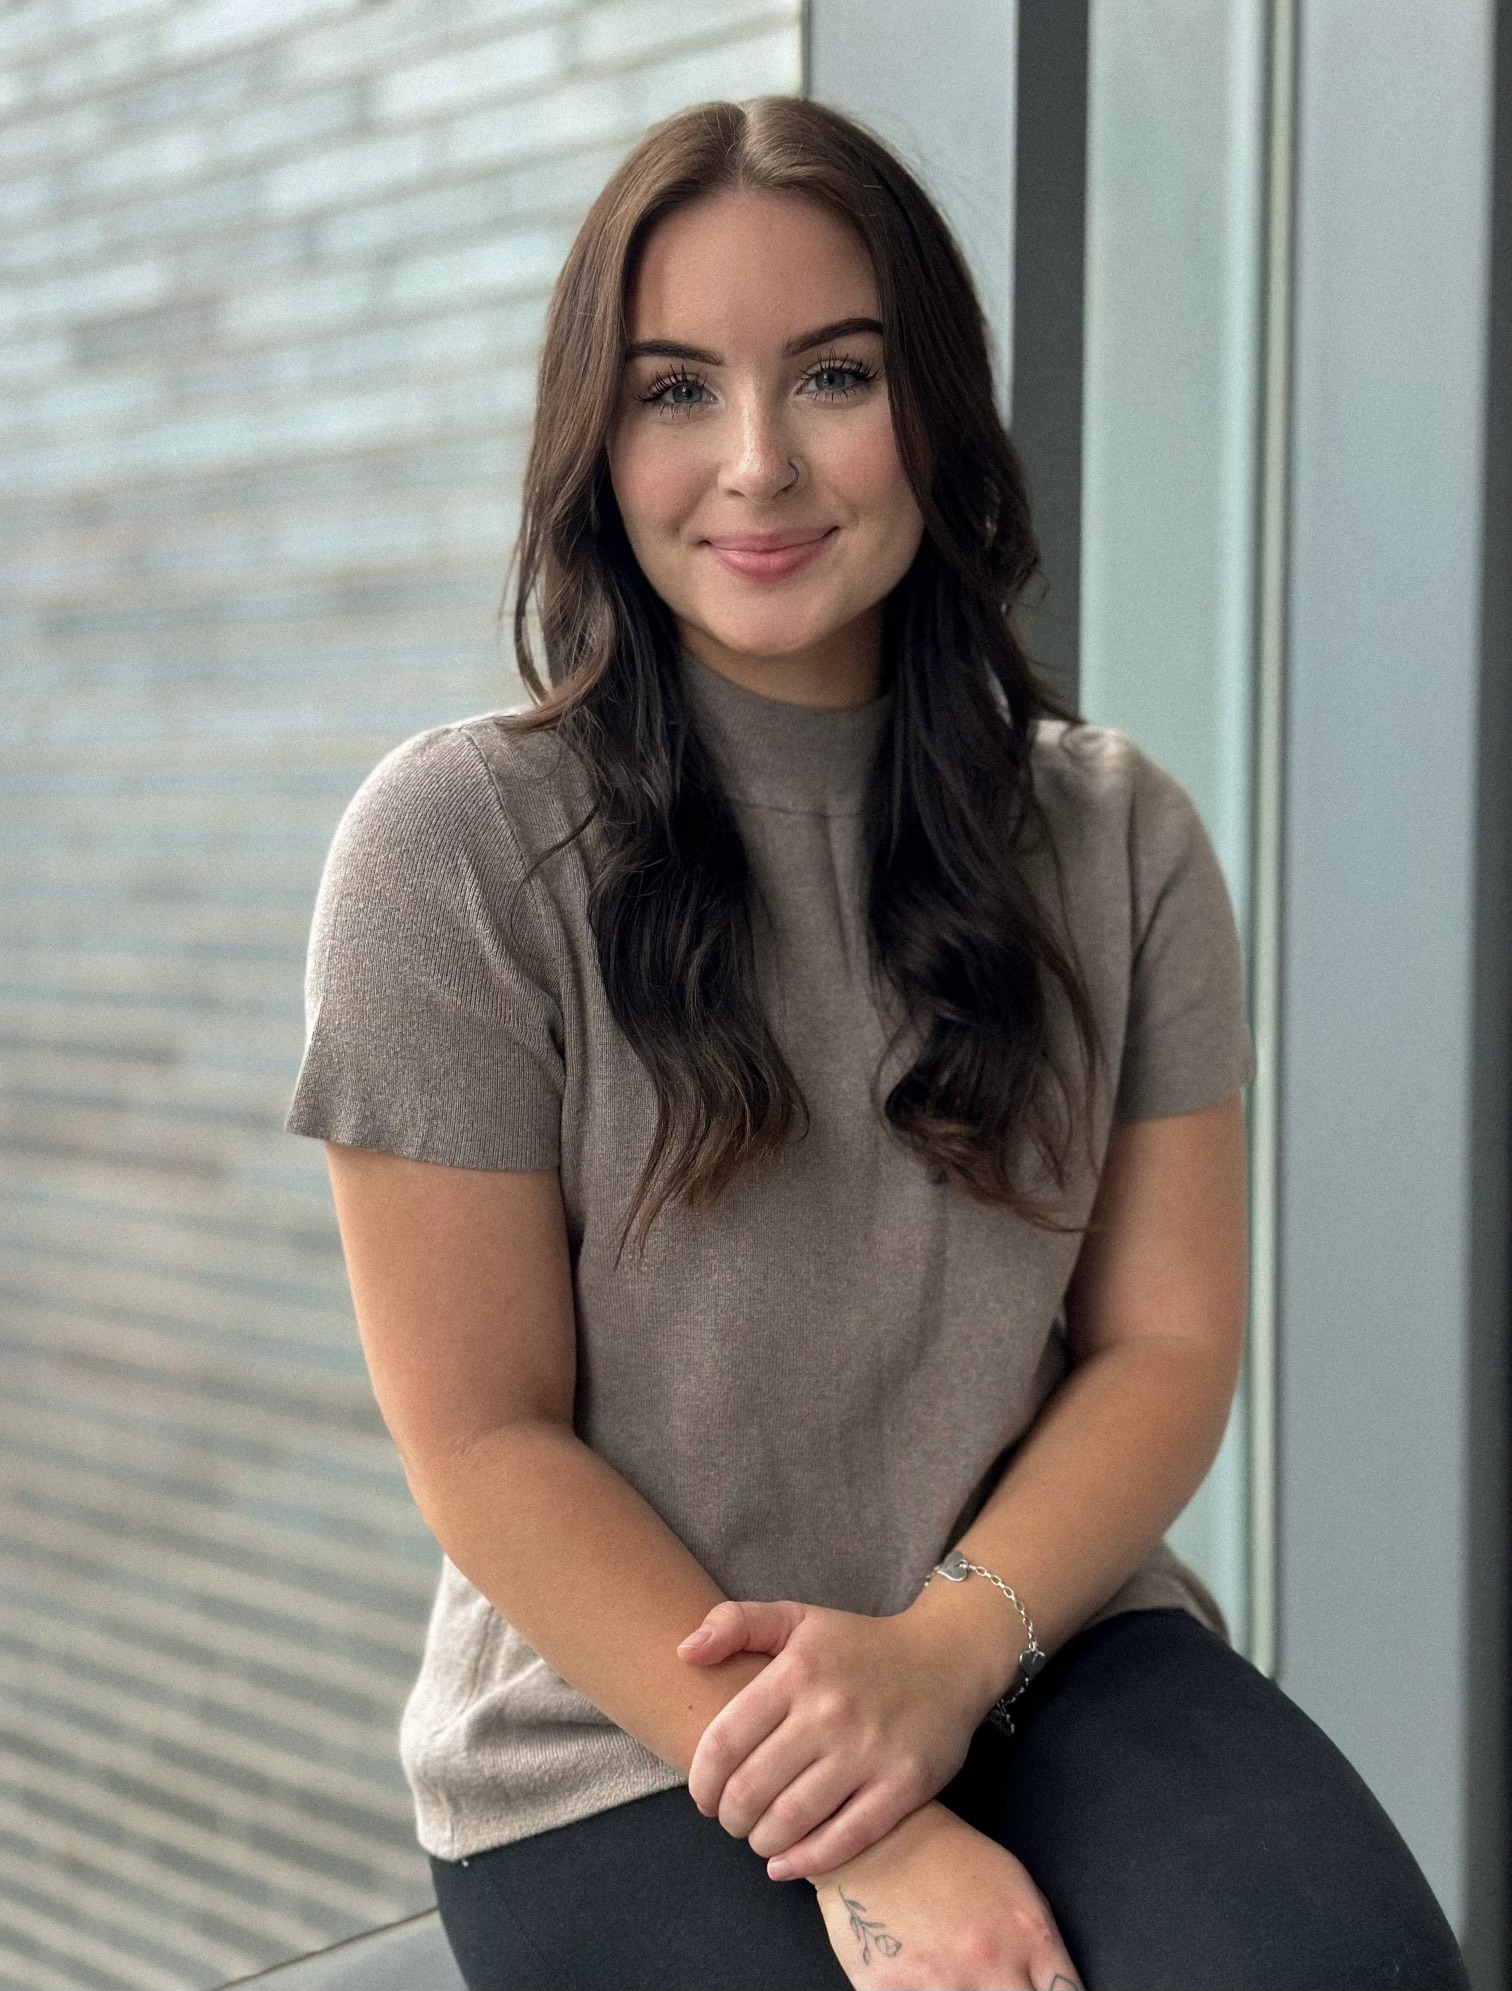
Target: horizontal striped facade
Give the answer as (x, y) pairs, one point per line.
(272, 276)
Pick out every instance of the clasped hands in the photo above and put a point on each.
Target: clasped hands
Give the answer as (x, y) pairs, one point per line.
(856, 1722)
(847, 1734)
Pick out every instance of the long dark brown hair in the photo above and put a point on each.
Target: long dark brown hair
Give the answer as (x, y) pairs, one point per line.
(977, 964)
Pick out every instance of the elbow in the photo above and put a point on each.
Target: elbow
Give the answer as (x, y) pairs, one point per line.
(1216, 1386)
(444, 1468)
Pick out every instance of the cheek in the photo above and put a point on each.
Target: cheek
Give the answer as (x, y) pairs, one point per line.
(655, 483)
(868, 473)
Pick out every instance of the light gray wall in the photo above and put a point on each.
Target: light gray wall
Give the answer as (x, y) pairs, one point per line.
(1380, 857)
(1174, 213)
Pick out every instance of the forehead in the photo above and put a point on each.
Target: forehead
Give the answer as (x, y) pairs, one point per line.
(739, 270)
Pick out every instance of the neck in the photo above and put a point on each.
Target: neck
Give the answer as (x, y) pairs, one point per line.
(842, 671)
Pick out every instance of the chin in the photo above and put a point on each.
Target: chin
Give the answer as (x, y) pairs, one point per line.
(770, 631)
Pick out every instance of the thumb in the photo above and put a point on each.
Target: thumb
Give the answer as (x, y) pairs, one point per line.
(733, 1627)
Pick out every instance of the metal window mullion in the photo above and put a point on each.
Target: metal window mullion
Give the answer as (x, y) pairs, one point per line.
(1262, 1359)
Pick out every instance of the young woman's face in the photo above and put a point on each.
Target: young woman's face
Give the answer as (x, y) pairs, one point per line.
(752, 454)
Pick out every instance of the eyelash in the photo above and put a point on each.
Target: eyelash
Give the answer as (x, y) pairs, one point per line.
(857, 371)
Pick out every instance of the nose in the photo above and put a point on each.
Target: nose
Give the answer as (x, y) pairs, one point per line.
(761, 463)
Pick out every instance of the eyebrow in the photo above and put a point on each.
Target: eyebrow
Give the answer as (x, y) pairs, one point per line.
(823, 335)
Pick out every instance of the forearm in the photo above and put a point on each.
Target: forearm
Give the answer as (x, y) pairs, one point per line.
(588, 1574)
(1111, 1461)
(1155, 1319)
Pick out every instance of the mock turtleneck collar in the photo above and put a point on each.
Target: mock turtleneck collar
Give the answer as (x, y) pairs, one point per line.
(782, 756)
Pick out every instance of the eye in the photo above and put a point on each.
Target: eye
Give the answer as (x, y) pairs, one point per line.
(836, 378)
(675, 392)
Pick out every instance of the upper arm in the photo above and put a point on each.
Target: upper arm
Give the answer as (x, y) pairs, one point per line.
(462, 1286)
(433, 1070)
(1186, 1043)
(1164, 1257)
(433, 987)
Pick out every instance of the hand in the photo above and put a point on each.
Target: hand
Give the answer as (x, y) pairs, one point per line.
(856, 1723)
(937, 1904)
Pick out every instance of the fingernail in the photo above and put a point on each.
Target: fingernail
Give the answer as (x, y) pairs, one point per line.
(700, 1637)
(779, 1870)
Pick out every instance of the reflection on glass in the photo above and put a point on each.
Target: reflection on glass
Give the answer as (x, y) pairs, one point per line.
(271, 299)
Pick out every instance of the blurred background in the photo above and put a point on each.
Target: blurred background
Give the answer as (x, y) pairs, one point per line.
(272, 278)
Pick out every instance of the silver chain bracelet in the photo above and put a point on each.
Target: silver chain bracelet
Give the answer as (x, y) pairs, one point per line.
(955, 1569)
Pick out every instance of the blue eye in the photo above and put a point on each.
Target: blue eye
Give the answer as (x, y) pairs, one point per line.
(678, 391)
(835, 379)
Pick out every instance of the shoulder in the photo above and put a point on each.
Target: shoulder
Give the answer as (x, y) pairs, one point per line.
(1151, 916)
(1122, 826)
(1096, 786)
(434, 974)
(444, 794)
(1096, 771)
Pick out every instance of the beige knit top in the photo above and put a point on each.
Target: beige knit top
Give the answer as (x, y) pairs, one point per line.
(815, 1382)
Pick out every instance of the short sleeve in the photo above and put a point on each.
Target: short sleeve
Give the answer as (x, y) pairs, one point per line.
(431, 994)
(1187, 1043)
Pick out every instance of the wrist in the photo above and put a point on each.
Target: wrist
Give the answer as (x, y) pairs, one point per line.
(971, 1636)
(890, 1854)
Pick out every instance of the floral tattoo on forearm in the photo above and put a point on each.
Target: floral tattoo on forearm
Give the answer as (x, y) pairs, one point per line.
(867, 1932)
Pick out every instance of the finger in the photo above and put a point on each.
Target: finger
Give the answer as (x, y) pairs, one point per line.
(759, 1782)
(870, 1815)
(802, 1804)
(1050, 1965)
(738, 1728)
(739, 1626)
(722, 1632)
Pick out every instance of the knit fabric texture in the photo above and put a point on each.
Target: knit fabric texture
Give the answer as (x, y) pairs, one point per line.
(815, 1382)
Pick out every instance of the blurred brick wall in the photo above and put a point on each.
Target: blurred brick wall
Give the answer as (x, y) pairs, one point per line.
(272, 274)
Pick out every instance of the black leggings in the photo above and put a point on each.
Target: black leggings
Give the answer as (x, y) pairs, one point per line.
(1190, 1827)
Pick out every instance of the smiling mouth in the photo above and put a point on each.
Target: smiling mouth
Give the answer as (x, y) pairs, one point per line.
(768, 556)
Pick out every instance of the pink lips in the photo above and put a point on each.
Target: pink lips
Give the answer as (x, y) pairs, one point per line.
(768, 556)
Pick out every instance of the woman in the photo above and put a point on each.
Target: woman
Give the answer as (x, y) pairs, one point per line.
(783, 1107)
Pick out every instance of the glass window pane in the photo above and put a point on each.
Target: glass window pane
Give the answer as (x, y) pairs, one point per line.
(272, 285)
(1174, 255)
